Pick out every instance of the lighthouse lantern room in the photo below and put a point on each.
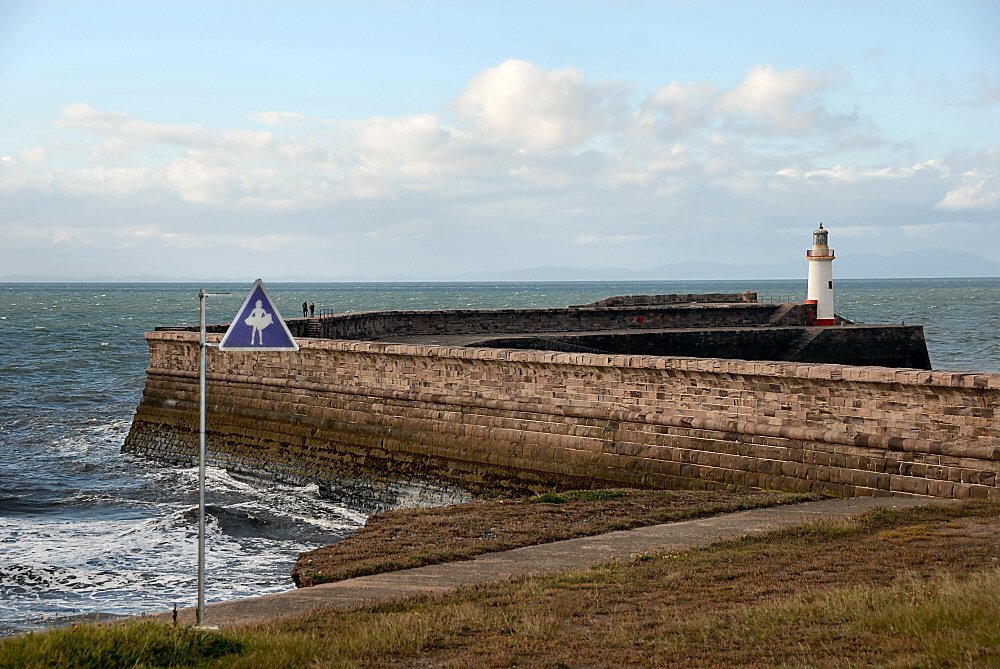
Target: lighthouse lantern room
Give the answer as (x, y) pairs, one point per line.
(820, 291)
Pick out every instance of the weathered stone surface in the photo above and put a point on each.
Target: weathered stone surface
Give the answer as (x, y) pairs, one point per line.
(522, 419)
(704, 326)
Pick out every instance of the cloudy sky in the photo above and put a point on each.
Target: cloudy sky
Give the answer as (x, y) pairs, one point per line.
(321, 140)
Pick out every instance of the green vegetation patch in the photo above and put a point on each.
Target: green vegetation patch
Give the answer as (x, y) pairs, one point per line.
(938, 621)
(408, 538)
(910, 588)
(137, 644)
(576, 496)
(547, 498)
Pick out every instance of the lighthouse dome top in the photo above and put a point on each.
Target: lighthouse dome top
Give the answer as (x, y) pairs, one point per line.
(820, 236)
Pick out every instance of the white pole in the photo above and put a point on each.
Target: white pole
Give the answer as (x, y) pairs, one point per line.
(203, 348)
(200, 617)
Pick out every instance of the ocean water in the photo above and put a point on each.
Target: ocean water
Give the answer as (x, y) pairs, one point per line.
(85, 529)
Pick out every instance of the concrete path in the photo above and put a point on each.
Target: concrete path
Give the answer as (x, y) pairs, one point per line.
(549, 558)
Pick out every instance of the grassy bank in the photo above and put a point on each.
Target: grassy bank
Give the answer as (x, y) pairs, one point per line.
(406, 538)
(917, 588)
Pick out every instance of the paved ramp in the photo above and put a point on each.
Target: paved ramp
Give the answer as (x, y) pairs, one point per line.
(548, 558)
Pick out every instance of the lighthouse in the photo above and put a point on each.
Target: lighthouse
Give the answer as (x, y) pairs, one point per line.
(820, 291)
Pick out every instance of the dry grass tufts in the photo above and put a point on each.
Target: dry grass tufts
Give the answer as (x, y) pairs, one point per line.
(915, 588)
(416, 537)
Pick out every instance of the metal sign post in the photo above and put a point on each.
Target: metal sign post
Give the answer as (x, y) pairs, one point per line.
(250, 330)
(203, 348)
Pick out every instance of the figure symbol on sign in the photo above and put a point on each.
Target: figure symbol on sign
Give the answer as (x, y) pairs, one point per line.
(258, 320)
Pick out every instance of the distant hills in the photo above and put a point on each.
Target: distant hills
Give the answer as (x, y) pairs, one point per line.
(915, 264)
(911, 264)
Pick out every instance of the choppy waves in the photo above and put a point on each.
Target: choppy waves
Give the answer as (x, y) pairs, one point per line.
(85, 529)
(126, 555)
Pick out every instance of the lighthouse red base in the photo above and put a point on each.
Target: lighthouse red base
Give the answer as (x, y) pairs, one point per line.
(818, 321)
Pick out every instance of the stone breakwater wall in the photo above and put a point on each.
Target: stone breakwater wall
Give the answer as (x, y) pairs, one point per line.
(882, 345)
(520, 420)
(686, 313)
(380, 324)
(686, 298)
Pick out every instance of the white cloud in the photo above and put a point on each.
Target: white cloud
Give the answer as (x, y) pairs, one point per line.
(118, 125)
(659, 163)
(609, 239)
(159, 237)
(179, 240)
(109, 147)
(48, 234)
(266, 242)
(410, 135)
(518, 102)
(284, 119)
(83, 116)
(517, 126)
(536, 165)
(854, 174)
(767, 105)
(368, 184)
(305, 151)
(115, 180)
(686, 106)
(34, 155)
(783, 101)
(975, 193)
(246, 140)
(198, 180)
(409, 149)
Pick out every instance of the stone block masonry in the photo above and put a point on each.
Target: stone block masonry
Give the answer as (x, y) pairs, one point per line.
(704, 326)
(526, 420)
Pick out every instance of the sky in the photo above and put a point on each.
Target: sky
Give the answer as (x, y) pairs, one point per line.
(426, 140)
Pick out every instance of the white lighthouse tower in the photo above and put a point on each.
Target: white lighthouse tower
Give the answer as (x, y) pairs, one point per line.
(820, 290)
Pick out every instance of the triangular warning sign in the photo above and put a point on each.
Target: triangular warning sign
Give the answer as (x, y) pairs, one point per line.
(258, 326)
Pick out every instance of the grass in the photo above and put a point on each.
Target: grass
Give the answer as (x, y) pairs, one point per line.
(408, 538)
(140, 644)
(936, 621)
(577, 496)
(915, 588)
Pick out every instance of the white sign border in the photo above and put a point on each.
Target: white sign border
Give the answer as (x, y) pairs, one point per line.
(239, 312)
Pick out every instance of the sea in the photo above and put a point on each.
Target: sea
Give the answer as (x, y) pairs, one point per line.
(86, 530)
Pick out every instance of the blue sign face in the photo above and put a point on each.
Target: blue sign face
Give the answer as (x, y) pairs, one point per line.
(258, 326)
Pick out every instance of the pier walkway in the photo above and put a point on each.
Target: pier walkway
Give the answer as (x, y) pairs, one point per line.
(559, 556)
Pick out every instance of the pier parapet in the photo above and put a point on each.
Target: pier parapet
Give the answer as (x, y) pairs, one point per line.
(512, 417)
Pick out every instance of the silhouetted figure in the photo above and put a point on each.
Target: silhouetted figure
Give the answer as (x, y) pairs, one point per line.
(312, 309)
(305, 309)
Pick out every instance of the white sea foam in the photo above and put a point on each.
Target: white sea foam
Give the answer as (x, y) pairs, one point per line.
(141, 556)
(145, 563)
(86, 528)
